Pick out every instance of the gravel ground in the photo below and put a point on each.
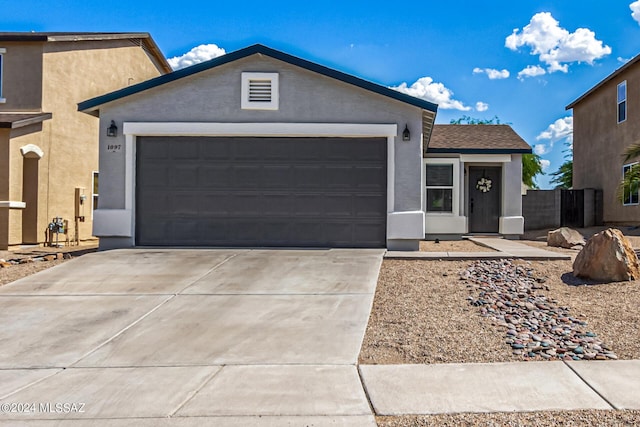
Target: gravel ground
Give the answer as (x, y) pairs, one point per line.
(420, 314)
(15, 272)
(513, 419)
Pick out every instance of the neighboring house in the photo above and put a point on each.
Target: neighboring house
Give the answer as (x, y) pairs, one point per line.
(261, 148)
(48, 150)
(606, 120)
(474, 180)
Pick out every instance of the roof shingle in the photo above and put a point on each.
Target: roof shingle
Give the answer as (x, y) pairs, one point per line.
(476, 139)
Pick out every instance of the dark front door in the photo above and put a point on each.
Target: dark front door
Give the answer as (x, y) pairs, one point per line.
(210, 191)
(484, 199)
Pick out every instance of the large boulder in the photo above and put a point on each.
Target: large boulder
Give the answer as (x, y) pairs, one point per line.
(565, 237)
(607, 257)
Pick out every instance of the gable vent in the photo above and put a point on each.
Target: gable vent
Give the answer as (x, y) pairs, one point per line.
(259, 91)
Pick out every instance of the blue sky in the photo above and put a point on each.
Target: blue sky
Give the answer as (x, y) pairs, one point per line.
(452, 53)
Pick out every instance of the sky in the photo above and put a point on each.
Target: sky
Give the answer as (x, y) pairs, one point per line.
(520, 61)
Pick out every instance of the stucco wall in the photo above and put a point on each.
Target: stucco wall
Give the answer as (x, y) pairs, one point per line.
(73, 72)
(21, 76)
(304, 96)
(598, 143)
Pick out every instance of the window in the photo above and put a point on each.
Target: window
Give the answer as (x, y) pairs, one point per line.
(439, 187)
(2, 52)
(622, 102)
(631, 192)
(259, 91)
(94, 191)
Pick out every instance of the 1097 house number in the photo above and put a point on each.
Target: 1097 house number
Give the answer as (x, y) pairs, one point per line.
(114, 148)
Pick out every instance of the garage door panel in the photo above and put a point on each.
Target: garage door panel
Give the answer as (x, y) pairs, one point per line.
(215, 176)
(277, 204)
(156, 176)
(370, 206)
(215, 149)
(308, 176)
(315, 192)
(276, 176)
(184, 204)
(185, 148)
(338, 205)
(183, 176)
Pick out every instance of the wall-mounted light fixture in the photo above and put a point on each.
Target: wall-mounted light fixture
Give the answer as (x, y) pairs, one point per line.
(112, 130)
(406, 135)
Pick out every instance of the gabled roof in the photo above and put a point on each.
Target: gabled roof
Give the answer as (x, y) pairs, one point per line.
(18, 120)
(149, 44)
(610, 77)
(93, 104)
(476, 139)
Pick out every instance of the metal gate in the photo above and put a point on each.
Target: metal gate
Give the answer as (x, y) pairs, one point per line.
(572, 208)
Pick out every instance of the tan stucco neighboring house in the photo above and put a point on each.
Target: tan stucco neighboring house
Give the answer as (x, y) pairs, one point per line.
(48, 150)
(606, 120)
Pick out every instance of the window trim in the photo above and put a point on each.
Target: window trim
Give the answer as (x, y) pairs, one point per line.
(94, 196)
(455, 187)
(2, 52)
(623, 101)
(247, 104)
(629, 165)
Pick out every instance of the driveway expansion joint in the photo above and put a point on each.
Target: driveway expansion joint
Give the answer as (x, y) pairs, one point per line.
(596, 391)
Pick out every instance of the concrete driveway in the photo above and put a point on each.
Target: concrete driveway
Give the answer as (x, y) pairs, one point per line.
(189, 337)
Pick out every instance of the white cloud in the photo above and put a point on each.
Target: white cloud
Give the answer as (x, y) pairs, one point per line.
(545, 164)
(561, 129)
(554, 45)
(482, 106)
(540, 149)
(425, 88)
(492, 73)
(635, 11)
(531, 71)
(198, 54)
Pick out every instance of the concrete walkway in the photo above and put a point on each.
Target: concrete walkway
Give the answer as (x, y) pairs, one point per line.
(503, 248)
(502, 387)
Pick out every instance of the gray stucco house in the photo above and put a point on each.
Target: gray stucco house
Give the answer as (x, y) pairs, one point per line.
(261, 148)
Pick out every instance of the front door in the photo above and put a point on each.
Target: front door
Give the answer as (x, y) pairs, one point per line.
(484, 199)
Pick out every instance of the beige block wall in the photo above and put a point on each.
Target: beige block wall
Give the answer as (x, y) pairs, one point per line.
(599, 142)
(73, 72)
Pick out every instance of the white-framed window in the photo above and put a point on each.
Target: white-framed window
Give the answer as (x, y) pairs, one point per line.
(2, 52)
(260, 91)
(631, 194)
(622, 102)
(94, 191)
(441, 186)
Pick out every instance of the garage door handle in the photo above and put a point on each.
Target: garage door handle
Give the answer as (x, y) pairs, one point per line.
(471, 207)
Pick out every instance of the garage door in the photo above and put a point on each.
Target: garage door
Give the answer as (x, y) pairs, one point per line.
(246, 192)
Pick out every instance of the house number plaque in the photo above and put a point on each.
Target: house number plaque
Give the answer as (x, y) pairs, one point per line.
(114, 148)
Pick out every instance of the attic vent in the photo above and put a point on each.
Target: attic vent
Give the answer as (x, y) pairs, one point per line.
(259, 91)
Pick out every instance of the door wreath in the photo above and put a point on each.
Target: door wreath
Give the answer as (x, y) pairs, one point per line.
(484, 184)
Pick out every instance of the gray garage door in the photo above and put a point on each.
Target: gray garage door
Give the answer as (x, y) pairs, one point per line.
(313, 192)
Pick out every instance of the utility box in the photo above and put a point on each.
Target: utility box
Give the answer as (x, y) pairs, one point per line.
(80, 203)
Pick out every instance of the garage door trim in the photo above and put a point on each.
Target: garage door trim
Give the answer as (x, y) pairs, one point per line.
(120, 227)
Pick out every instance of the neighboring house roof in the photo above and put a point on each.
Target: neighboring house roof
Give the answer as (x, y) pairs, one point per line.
(148, 44)
(476, 139)
(93, 104)
(610, 77)
(18, 120)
